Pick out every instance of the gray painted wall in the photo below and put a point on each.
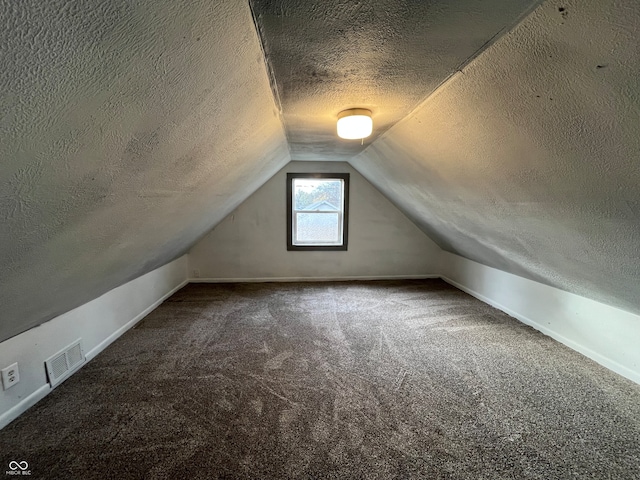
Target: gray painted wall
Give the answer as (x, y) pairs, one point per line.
(251, 242)
(529, 160)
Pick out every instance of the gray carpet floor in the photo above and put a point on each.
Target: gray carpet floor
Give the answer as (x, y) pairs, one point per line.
(389, 379)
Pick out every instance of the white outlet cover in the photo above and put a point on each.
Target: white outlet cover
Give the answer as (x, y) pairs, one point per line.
(10, 376)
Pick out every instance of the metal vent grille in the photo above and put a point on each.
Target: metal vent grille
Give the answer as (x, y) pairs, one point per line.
(59, 366)
(74, 356)
(64, 363)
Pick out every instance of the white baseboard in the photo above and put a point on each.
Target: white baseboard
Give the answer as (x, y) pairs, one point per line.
(311, 279)
(118, 333)
(598, 357)
(10, 415)
(30, 348)
(42, 391)
(587, 352)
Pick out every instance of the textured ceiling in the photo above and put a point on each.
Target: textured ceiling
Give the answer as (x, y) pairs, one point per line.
(128, 129)
(384, 55)
(529, 159)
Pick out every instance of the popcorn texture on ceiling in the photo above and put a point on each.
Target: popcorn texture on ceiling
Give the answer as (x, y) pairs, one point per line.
(129, 129)
(385, 56)
(529, 159)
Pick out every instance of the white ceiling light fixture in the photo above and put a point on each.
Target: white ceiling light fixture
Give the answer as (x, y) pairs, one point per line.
(355, 123)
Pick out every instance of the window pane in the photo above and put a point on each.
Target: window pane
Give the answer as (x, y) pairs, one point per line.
(318, 228)
(316, 194)
(317, 211)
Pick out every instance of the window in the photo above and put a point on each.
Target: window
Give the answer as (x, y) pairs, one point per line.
(317, 211)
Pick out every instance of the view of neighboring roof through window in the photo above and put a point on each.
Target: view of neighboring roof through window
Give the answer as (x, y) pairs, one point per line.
(317, 206)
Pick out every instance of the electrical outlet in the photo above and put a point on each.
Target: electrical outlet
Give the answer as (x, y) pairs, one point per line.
(10, 376)
(196, 274)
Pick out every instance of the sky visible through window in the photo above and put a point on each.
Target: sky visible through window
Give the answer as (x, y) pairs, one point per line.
(318, 205)
(311, 191)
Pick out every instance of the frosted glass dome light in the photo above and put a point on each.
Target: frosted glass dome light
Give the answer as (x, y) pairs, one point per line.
(355, 123)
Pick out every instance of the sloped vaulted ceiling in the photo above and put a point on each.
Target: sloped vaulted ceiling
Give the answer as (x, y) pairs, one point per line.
(384, 55)
(529, 159)
(517, 147)
(128, 129)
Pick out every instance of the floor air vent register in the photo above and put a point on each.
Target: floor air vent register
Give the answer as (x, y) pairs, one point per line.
(64, 363)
